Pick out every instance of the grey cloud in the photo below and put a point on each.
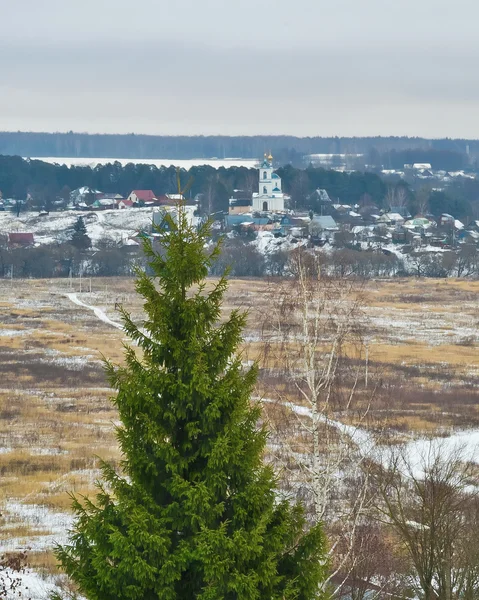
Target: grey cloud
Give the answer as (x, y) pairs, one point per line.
(202, 66)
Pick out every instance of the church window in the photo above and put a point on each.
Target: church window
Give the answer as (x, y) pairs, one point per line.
(265, 206)
(265, 190)
(265, 175)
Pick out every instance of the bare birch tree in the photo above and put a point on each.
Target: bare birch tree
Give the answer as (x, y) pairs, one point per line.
(315, 376)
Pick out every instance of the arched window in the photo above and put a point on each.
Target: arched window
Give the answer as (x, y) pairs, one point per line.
(265, 206)
(265, 190)
(265, 175)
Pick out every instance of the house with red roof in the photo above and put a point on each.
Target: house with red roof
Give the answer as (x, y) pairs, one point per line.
(20, 240)
(124, 203)
(142, 197)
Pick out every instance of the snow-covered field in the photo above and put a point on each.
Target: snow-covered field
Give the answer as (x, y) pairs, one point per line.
(114, 225)
(158, 162)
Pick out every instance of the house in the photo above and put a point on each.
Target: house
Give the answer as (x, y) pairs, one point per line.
(324, 226)
(399, 234)
(419, 223)
(348, 219)
(391, 218)
(446, 219)
(85, 194)
(236, 209)
(129, 245)
(232, 221)
(363, 233)
(239, 206)
(103, 204)
(262, 224)
(124, 203)
(142, 196)
(298, 227)
(20, 240)
(421, 166)
(400, 210)
(368, 211)
(342, 208)
(325, 222)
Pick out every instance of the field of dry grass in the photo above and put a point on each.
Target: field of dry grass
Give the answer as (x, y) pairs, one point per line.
(55, 414)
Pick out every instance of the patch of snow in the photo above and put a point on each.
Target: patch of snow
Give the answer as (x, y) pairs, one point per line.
(266, 243)
(47, 526)
(32, 585)
(97, 311)
(47, 451)
(73, 363)
(115, 225)
(415, 451)
(13, 332)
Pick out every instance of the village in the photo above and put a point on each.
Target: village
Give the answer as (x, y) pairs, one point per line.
(265, 220)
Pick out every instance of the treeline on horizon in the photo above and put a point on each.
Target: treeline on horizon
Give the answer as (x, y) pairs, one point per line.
(44, 183)
(285, 148)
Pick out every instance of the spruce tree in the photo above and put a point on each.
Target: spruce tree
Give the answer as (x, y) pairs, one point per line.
(80, 237)
(194, 513)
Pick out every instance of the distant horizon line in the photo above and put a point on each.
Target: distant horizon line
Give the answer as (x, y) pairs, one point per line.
(256, 135)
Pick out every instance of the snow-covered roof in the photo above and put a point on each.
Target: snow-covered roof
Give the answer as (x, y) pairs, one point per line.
(86, 190)
(418, 222)
(395, 216)
(360, 228)
(422, 166)
(325, 222)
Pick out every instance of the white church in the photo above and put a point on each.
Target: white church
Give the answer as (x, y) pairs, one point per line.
(270, 197)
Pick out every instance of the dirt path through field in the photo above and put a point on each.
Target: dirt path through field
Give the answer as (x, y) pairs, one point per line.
(97, 311)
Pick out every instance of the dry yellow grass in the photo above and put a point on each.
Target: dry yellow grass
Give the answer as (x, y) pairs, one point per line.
(45, 407)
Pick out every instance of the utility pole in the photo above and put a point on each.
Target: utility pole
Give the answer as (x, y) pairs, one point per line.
(367, 366)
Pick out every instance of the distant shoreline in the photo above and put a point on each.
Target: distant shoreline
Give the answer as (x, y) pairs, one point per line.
(158, 162)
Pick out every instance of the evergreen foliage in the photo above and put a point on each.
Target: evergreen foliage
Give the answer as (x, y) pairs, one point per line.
(195, 514)
(80, 237)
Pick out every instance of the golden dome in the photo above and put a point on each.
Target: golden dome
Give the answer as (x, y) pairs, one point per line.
(270, 158)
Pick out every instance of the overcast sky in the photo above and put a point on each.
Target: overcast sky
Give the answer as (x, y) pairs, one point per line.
(302, 67)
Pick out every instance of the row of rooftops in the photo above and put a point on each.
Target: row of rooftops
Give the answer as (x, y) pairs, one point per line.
(136, 198)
